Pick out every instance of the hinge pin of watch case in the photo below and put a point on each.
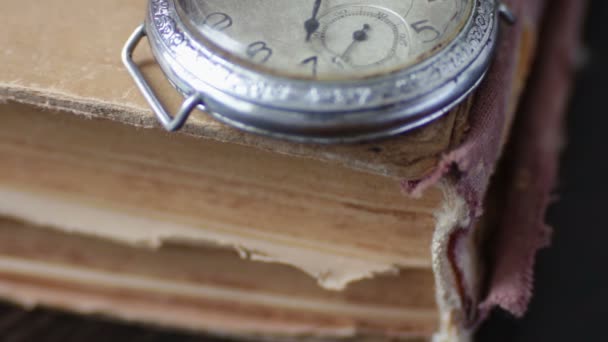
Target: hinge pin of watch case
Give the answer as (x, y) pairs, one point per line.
(507, 14)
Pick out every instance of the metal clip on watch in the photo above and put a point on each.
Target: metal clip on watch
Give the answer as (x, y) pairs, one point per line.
(319, 71)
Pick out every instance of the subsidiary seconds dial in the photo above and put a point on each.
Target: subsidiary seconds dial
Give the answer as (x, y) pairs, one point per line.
(362, 36)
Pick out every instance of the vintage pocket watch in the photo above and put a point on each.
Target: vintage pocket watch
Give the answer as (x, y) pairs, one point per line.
(318, 71)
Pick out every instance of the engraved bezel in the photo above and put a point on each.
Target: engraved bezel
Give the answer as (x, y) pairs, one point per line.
(323, 111)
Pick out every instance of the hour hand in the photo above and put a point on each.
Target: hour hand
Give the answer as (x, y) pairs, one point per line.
(312, 25)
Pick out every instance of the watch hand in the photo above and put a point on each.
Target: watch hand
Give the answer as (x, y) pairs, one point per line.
(312, 25)
(358, 36)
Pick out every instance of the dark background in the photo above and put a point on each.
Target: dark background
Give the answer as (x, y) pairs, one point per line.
(571, 300)
(571, 294)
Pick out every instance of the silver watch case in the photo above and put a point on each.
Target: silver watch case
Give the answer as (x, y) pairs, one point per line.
(308, 110)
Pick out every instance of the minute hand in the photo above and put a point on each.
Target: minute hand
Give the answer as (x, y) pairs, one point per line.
(312, 25)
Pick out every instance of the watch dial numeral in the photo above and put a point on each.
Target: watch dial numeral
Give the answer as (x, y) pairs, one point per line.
(218, 21)
(259, 51)
(314, 62)
(426, 28)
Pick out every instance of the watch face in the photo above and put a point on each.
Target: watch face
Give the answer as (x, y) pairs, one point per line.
(327, 39)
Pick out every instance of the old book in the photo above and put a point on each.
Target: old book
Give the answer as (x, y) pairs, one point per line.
(219, 231)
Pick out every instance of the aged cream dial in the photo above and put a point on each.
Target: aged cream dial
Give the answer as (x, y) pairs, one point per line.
(327, 39)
